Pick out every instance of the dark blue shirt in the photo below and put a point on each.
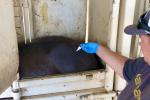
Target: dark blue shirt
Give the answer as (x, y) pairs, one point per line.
(137, 74)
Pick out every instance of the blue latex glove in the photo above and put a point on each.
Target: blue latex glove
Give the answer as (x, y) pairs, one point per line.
(90, 47)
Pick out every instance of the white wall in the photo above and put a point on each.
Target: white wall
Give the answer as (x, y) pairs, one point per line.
(8, 45)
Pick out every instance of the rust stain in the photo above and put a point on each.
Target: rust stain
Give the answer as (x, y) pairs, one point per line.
(44, 12)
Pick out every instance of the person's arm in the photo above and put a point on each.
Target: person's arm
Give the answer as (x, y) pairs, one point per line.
(114, 60)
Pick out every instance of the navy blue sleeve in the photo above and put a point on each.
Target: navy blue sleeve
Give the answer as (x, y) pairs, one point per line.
(131, 68)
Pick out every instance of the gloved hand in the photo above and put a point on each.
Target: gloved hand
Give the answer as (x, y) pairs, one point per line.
(90, 47)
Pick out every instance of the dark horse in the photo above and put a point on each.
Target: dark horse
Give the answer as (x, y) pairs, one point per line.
(54, 55)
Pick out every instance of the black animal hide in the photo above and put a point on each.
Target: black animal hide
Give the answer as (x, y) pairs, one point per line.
(54, 55)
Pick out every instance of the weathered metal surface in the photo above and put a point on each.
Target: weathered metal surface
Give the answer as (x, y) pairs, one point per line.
(59, 17)
(62, 17)
(67, 18)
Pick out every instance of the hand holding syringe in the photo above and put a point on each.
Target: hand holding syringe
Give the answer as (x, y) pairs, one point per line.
(90, 47)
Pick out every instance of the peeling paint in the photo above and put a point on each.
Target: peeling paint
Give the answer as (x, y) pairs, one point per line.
(61, 18)
(44, 12)
(67, 18)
